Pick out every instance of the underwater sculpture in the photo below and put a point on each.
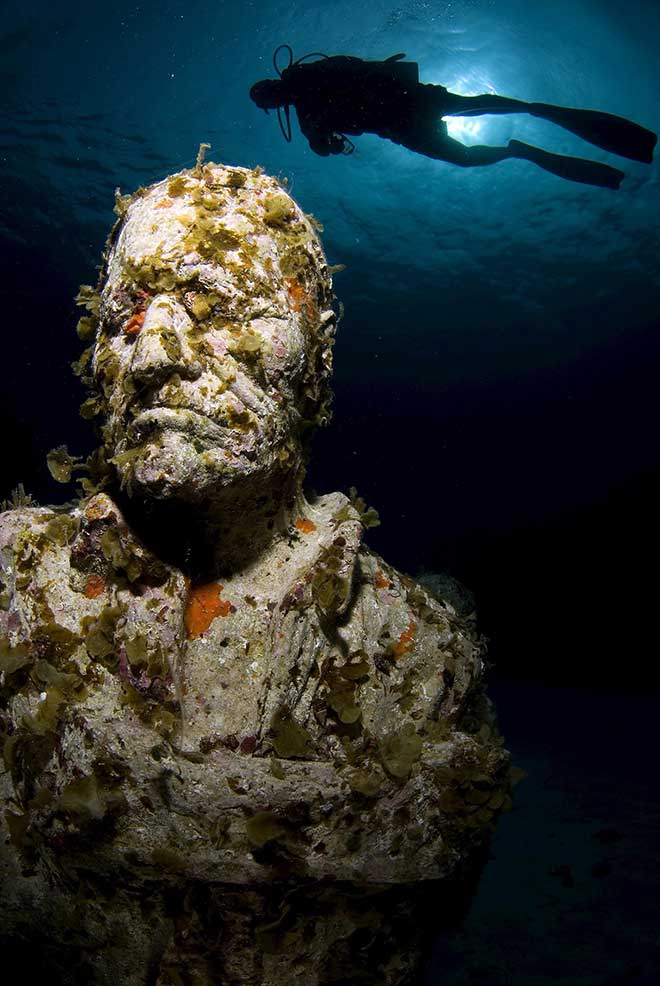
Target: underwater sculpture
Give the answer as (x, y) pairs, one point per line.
(341, 94)
(239, 748)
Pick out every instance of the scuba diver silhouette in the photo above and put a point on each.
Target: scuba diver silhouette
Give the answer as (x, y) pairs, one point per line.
(340, 95)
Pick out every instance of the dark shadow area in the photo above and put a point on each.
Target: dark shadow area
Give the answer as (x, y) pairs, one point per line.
(539, 493)
(569, 897)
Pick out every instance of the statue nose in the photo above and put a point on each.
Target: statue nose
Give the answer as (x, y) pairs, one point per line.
(161, 347)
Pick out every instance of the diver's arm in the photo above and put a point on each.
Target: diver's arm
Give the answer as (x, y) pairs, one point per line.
(320, 145)
(328, 144)
(321, 141)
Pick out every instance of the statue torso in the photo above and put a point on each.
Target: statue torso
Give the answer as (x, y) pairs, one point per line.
(300, 707)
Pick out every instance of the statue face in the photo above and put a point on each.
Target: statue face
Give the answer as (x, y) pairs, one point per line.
(201, 357)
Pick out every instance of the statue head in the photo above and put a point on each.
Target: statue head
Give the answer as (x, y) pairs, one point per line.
(212, 344)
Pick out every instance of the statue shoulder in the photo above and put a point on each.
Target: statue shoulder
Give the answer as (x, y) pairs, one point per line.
(36, 541)
(59, 566)
(34, 551)
(436, 600)
(27, 534)
(49, 527)
(403, 688)
(421, 647)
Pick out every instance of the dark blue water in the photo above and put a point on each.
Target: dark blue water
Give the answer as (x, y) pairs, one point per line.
(497, 367)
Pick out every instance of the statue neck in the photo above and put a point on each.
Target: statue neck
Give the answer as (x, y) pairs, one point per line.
(219, 537)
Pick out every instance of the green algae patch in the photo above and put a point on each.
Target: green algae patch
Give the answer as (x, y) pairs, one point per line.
(61, 464)
(176, 186)
(85, 799)
(62, 529)
(92, 407)
(341, 697)
(368, 780)
(89, 298)
(278, 209)
(86, 329)
(368, 515)
(277, 769)
(290, 739)
(400, 751)
(17, 824)
(13, 658)
(168, 859)
(100, 638)
(264, 827)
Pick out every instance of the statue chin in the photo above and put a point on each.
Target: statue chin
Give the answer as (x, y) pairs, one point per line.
(176, 467)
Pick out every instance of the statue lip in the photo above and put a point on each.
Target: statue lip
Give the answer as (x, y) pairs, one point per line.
(181, 419)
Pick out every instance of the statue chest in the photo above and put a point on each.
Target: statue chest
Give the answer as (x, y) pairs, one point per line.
(224, 667)
(251, 649)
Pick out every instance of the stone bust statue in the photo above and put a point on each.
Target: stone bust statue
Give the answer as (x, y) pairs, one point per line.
(239, 749)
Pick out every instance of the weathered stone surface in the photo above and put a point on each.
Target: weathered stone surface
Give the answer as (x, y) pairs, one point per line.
(239, 748)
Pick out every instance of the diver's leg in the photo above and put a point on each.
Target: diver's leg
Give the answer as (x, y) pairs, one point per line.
(452, 104)
(571, 168)
(613, 133)
(443, 148)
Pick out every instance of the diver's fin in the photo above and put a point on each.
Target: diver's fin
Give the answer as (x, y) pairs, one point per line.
(612, 133)
(397, 57)
(571, 168)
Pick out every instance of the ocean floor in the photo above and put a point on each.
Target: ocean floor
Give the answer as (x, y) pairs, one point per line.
(571, 894)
